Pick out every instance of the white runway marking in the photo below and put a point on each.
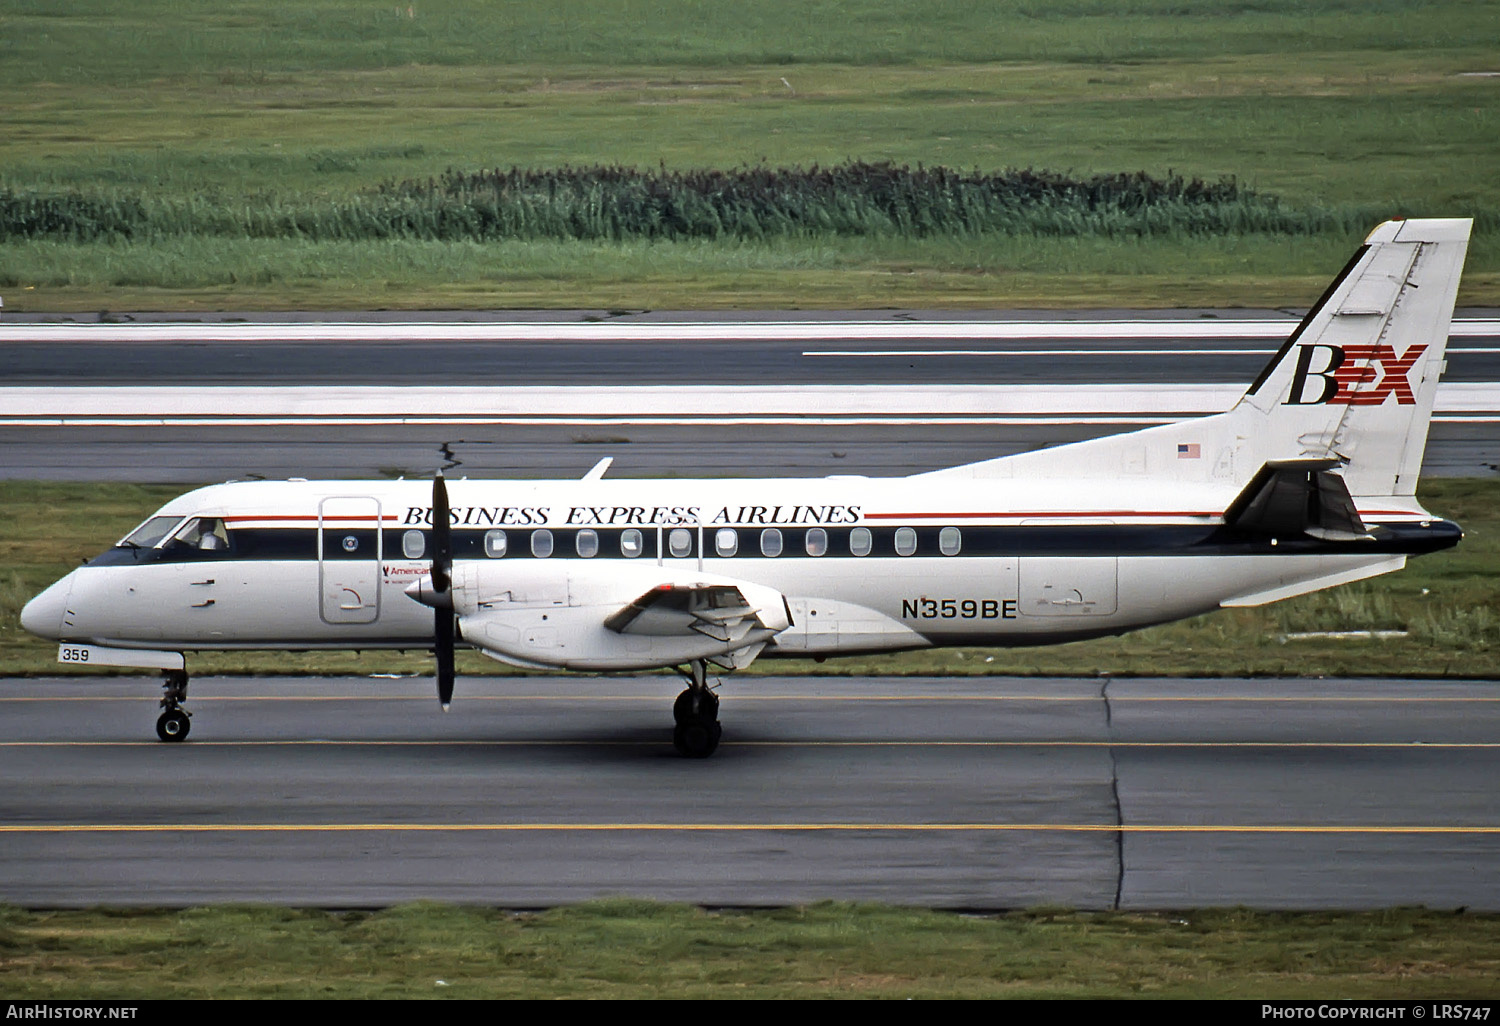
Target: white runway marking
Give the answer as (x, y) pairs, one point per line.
(684, 331)
(859, 353)
(249, 406)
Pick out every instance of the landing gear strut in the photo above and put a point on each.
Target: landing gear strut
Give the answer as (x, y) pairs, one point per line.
(697, 714)
(173, 723)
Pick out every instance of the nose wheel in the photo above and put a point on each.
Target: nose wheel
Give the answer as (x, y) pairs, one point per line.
(173, 723)
(697, 714)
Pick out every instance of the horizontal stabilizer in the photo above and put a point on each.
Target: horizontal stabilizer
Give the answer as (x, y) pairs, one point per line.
(1291, 497)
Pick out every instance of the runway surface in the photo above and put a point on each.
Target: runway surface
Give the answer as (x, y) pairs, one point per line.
(699, 350)
(179, 400)
(965, 793)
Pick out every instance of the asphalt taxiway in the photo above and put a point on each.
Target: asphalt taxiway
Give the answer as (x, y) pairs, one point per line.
(966, 793)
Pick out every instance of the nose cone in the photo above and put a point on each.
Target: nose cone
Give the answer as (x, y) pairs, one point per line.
(43, 615)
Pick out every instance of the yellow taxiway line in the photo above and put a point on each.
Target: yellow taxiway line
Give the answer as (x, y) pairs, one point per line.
(651, 827)
(654, 698)
(605, 743)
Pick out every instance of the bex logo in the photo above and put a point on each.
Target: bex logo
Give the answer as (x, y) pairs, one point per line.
(1354, 375)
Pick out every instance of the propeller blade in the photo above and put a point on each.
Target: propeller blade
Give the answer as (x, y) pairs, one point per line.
(442, 586)
(442, 623)
(442, 536)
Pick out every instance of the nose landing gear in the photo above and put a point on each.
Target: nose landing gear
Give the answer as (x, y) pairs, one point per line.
(697, 714)
(174, 721)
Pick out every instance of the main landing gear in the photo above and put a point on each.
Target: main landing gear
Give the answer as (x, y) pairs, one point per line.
(697, 714)
(173, 723)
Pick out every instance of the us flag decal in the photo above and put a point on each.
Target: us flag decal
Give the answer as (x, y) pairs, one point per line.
(1189, 451)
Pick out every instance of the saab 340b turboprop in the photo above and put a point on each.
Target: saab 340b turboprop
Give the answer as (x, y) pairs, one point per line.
(1308, 482)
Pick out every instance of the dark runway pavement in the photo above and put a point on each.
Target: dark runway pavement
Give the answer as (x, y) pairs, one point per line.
(966, 793)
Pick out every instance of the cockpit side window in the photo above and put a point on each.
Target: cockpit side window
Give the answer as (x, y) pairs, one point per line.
(150, 533)
(202, 534)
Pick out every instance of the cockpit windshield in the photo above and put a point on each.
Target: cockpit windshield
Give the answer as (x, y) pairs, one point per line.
(150, 533)
(171, 540)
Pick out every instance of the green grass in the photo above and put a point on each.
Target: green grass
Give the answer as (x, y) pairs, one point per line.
(623, 948)
(1325, 105)
(760, 202)
(793, 273)
(1445, 601)
(120, 43)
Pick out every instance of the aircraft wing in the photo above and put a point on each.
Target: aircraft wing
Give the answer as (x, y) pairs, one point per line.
(604, 617)
(720, 611)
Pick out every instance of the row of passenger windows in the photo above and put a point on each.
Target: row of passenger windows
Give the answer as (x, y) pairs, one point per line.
(679, 542)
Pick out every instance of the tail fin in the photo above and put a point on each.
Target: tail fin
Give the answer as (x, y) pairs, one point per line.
(1357, 380)
(1353, 387)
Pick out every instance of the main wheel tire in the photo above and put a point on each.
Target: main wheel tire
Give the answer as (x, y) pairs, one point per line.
(173, 725)
(697, 740)
(686, 710)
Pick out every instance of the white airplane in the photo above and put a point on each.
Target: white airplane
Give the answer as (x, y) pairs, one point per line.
(1308, 482)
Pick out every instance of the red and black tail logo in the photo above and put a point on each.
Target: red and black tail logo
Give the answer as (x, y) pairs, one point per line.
(1353, 375)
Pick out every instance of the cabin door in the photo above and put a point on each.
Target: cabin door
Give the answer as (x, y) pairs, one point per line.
(349, 559)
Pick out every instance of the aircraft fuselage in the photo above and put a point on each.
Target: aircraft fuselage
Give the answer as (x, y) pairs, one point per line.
(864, 565)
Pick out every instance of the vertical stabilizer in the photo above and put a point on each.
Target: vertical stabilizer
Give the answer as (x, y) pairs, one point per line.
(1352, 388)
(1357, 380)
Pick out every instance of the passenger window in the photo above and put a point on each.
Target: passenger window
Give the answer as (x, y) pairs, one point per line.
(726, 541)
(860, 541)
(413, 544)
(587, 543)
(680, 542)
(631, 544)
(817, 541)
(906, 541)
(950, 541)
(770, 542)
(494, 544)
(541, 543)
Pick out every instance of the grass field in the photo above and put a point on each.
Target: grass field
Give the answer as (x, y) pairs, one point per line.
(1361, 110)
(1446, 603)
(629, 949)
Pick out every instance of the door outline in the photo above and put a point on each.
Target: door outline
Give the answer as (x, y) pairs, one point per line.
(340, 578)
